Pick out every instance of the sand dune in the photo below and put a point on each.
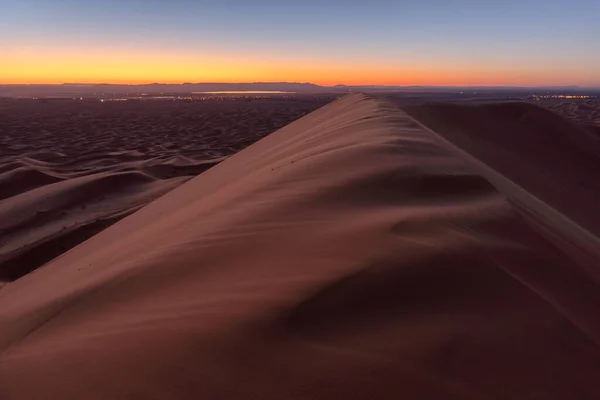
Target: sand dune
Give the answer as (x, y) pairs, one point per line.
(585, 112)
(553, 158)
(47, 207)
(349, 255)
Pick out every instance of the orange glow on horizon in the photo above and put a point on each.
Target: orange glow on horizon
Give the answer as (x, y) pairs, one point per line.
(51, 66)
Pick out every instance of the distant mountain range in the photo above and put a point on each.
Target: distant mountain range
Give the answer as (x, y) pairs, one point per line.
(98, 90)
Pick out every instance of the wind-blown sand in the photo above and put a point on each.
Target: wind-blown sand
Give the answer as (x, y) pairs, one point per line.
(352, 254)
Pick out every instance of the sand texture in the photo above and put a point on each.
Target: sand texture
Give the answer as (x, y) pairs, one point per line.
(352, 254)
(585, 111)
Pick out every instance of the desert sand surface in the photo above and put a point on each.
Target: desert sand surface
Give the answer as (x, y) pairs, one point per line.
(585, 112)
(555, 158)
(353, 254)
(69, 169)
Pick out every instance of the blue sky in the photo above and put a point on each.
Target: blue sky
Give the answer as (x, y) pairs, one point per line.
(554, 40)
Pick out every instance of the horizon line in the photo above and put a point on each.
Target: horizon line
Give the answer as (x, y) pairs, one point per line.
(303, 83)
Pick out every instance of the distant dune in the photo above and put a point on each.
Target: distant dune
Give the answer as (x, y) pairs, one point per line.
(584, 112)
(352, 254)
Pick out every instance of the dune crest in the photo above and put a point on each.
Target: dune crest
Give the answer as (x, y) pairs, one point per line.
(349, 255)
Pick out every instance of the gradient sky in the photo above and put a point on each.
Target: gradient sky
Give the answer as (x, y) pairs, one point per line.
(418, 42)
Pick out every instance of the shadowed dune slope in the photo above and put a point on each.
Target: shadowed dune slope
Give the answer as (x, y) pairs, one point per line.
(348, 255)
(553, 158)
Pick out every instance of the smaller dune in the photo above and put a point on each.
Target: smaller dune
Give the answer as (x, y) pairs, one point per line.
(176, 166)
(43, 218)
(23, 179)
(51, 204)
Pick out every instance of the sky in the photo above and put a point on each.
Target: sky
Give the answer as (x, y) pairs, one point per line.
(327, 42)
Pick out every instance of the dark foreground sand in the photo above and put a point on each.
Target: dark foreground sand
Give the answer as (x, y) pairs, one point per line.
(352, 254)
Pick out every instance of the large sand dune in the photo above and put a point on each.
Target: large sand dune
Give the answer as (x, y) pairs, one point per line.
(352, 254)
